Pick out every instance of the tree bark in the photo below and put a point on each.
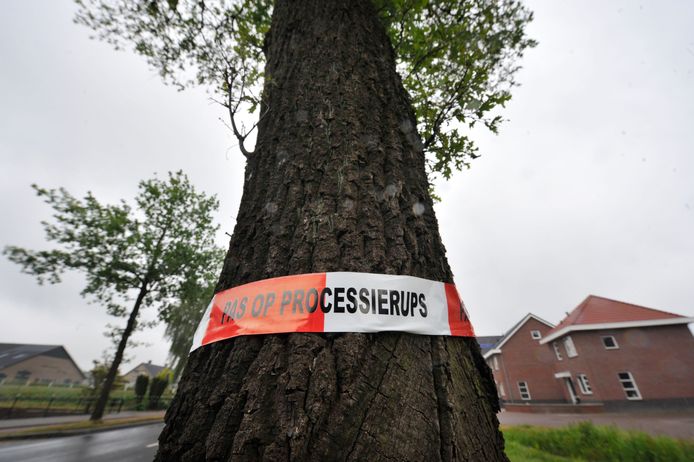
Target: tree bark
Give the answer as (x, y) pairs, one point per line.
(337, 183)
(101, 402)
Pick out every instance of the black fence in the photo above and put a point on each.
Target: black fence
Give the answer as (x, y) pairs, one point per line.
(19, 405)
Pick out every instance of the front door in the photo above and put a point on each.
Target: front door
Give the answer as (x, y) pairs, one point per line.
(572, 390)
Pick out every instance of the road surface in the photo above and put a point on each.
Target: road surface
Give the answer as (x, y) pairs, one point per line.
(135, 444)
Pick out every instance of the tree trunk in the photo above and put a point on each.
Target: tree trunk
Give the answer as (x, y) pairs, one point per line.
(337, 183)
(101, 402)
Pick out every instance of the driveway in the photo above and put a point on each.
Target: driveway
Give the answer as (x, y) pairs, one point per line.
(675, 424)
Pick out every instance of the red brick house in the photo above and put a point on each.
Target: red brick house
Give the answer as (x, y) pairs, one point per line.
(605, 354)
(616, 353)
(523, 368)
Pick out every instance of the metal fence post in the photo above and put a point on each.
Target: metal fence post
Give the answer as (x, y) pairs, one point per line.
(16, 397)
(50, 401)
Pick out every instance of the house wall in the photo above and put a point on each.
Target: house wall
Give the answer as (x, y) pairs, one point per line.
(660, 359)
(131, 376)
(46, 368)
(522, 358)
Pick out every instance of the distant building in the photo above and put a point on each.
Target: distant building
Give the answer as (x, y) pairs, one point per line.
(605, 354)
(148, 369)
(486, 343)
(48, 364)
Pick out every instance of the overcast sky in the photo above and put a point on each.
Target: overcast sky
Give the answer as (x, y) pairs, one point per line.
(588, 188)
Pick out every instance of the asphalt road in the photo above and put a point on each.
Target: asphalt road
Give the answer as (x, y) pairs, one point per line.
(136, 444)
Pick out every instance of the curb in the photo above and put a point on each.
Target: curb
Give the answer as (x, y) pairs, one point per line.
(76, 432)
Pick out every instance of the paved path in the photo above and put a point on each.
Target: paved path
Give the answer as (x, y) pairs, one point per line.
(675, 424)
(13, 424)
(130, 444)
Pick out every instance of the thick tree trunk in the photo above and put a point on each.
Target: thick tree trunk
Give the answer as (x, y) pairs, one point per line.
(101, 402)
(337, 183)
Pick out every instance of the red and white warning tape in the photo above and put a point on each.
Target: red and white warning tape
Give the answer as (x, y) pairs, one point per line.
(335, 302)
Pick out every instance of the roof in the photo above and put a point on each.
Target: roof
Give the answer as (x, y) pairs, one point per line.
(487, 342)
(511, 332)
(152, 369)
(14, 353)
(595, 313)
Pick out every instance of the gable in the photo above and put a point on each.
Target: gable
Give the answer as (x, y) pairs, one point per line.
(514, 331)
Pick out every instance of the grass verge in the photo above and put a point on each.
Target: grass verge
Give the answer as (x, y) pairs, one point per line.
(516, 452)
(84, 426)
(585, 441)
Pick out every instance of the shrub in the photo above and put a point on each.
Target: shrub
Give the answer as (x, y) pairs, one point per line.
(141, 383)
(157, 387)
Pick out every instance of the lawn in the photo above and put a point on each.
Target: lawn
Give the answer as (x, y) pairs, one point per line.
(60, 397)
(586, 442)
(516, 452)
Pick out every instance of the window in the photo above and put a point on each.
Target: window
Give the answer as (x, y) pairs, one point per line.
(501, 390)
(496, 363)
(555, 345)
(22, 375)
(610, 342)
(535, 334)
(629, 385)
(584, 384)
(524, 391)
(570, 348)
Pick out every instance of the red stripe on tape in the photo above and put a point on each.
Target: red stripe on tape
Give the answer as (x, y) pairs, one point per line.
(270, 306)
(457, 316)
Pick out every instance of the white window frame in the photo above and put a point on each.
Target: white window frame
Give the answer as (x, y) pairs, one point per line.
(614, 340)
(584, 384)
(570, 348)
(633, 388)
(524, 385)
(535, 334)
(502, 392)
(495, 360)
(555, 345)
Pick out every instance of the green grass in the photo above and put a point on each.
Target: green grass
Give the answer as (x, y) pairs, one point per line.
(586, 441)
(64, 398)
(38, 391)
(516, 452)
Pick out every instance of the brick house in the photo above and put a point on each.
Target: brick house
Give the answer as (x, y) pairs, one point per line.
(617, 353)
(605, 354)
(148, 369)
(46, 364)
(523, 368)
